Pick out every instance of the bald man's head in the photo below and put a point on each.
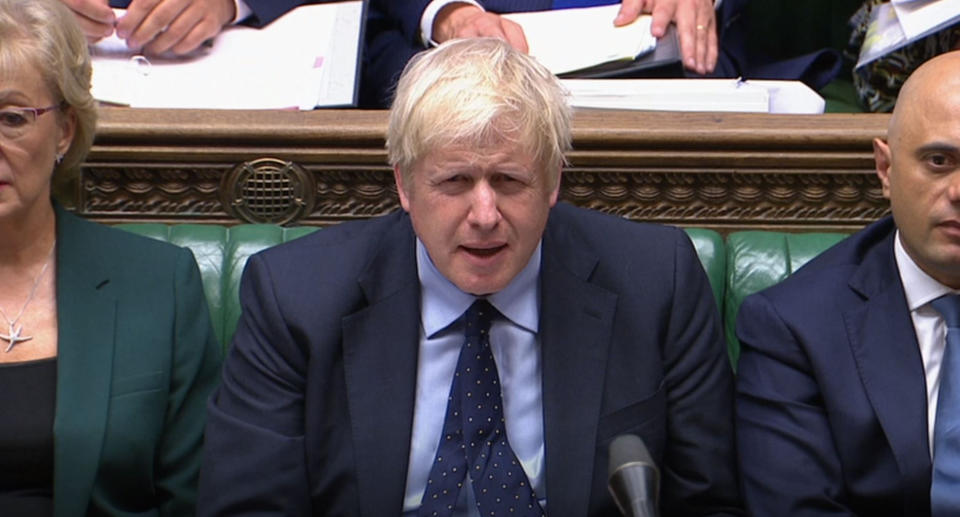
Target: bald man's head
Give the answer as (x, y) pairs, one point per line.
(919, 167)
(933, 84)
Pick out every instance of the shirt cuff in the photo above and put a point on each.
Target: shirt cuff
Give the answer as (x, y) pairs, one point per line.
(430, 14)
(243, 11)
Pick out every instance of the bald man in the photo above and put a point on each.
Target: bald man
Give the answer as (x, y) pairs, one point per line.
(840, 375)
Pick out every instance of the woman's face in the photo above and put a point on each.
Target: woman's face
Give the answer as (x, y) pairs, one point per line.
(30, 141)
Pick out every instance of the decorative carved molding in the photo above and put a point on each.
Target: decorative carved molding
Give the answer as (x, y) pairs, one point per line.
(723, 171)
(731, 199)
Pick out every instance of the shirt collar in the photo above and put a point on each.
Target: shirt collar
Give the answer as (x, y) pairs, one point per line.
(442, 303)
(919, 287)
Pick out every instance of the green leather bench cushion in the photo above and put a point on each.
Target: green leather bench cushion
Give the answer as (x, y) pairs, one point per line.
(713, 257)
(759, 259)
(221, 253)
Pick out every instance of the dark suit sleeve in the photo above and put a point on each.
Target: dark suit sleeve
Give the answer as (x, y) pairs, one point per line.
(255, 461)
(404, 14)
(194, 374)
(698, 471)
(265, 11)
(788, 463)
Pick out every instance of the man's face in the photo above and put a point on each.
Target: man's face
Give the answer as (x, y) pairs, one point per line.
(480, 212)
(919, 169)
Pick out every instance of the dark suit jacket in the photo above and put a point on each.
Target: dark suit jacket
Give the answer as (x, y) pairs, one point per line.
(831, 397)
(137, 360)
(315, 411)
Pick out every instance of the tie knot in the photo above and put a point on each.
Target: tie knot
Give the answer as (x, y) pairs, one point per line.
(478, 318)
(948, 306)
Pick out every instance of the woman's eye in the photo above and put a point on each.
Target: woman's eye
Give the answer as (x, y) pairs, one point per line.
(12, 118)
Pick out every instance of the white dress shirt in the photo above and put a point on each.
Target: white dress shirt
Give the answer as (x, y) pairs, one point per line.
(243, 11)
(921, 289)
(516, 350)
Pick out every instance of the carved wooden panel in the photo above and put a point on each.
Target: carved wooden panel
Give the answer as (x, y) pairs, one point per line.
(726, 171)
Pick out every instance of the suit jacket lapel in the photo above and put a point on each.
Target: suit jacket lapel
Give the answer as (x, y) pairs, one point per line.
(380, 344)
(576, 320)
(884, 345)
(86, 311)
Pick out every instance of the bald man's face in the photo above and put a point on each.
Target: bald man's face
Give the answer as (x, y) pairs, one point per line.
(919, 169)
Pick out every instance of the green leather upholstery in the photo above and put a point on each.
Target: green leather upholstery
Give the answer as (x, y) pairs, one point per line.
(758, 260)
(713, 257)
(746, 263)
(221, 253)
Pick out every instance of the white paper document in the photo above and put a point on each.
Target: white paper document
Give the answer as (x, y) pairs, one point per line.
(894, 25)
(304, 59)
(566, 40)
(921, 17)
(730, 95)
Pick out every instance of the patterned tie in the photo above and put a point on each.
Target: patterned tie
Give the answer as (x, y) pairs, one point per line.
(945, 489)
(474, 438)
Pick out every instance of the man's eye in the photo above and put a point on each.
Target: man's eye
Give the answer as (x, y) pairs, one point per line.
(12, 118)
(939, 160)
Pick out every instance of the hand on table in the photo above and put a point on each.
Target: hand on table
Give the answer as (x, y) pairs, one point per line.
(696, 27)
(459, 20)
(95, 16)
(176, 26)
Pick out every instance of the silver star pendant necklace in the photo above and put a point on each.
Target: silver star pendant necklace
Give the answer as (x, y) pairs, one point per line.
(15, 334)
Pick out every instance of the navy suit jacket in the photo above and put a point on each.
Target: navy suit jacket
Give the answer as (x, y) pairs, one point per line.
(831, 397)
(315, 412)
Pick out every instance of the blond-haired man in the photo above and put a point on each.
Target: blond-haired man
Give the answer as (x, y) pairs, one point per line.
(486, 329)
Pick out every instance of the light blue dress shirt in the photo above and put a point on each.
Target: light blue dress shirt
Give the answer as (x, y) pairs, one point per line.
(516, 350)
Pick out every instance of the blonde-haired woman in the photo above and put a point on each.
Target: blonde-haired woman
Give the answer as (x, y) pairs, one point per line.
(106, 350)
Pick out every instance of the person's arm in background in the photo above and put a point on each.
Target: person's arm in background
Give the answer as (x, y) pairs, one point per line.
(95, 16)
(175, 26)
(695, 20)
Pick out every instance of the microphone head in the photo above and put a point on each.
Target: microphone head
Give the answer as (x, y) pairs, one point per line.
(628, 449)
(634, 479)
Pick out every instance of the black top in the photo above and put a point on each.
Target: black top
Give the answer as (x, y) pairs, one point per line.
(27, 401)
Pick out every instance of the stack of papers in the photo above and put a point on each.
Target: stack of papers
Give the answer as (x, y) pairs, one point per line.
(307, 58)
(695, 95)
(901, 22)
(567, 40)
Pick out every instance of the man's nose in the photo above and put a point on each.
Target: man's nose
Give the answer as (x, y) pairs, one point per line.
(953, 187)
(484, 211)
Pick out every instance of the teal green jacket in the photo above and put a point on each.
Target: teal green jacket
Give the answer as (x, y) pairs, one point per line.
(137, 360)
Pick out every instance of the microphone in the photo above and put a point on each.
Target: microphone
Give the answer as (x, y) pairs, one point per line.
(634, 478)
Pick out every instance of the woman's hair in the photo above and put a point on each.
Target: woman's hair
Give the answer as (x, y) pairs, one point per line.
(44, 34)
(478, 92)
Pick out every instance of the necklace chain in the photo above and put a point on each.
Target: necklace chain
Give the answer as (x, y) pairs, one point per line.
(15, 333)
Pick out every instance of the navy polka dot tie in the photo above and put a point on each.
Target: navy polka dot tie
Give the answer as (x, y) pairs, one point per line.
(473, 445)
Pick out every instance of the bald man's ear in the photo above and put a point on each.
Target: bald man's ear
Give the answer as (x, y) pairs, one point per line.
(883, 161)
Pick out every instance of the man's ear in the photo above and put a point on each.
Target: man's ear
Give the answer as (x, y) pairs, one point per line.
(883, 161)
(556, 188)
(401, 188)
